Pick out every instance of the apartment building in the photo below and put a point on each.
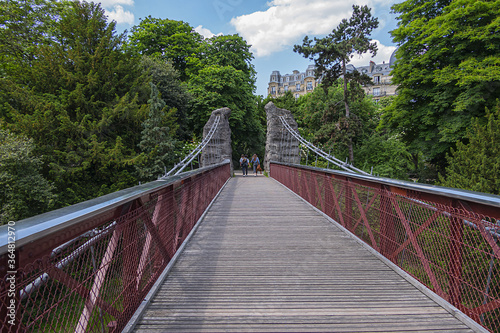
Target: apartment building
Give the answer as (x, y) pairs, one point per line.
(301, 83)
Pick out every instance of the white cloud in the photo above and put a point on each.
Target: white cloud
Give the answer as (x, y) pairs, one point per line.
(205, 32)
(286, 22)
(383, 54)
(113, 3)
(120, 15)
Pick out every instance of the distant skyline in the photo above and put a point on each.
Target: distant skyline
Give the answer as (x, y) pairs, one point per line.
(272, 28)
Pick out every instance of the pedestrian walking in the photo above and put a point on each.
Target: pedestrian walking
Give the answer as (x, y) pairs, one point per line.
(244, 165)
(255, 163)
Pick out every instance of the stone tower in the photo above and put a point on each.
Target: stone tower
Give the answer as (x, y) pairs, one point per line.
(219, 148)
(281, 146)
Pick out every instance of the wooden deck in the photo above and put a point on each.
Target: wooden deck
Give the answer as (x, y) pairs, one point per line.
(263, 260)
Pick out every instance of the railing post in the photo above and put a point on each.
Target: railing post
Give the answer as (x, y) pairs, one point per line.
(130, 255)
(348, 206)
(387, 227)
(455, 260)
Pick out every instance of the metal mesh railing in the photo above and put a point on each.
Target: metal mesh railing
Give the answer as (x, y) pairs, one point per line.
(95, 281)
(450, 243)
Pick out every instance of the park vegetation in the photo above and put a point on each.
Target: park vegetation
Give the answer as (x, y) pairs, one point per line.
(85, 111)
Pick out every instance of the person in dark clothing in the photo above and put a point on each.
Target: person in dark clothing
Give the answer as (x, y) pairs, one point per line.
(244, 165)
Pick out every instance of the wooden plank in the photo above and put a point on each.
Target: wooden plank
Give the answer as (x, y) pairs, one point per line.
(264, 261)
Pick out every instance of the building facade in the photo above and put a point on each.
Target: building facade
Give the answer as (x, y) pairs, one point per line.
(301, 83)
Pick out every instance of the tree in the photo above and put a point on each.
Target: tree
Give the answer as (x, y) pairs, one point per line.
(323, 114)
(476, 165)
(157, 144)
(448, 72)
(222, 75)
(332, 53)
(225, 50)
(81, 104)
(24, 192)
(215, 87)
(172, 91)
(169, 40)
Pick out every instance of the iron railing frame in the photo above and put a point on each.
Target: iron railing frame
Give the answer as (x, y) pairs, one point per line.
(48, 240)
(338, 193)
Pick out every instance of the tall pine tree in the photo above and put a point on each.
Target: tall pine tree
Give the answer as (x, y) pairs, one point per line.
(332, 53)
(157, 145)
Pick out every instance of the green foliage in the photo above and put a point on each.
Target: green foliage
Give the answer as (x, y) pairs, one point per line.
(321, 119)
(217, 72)
(325, 114)
(225, 50)
(81, 104)
(23, 190)
(168, 40)
(388, 156)
(476, 165)
(172, 91)
(221, 75)
(448, 71)
(70, 83)
(331, 55)
(157, 145)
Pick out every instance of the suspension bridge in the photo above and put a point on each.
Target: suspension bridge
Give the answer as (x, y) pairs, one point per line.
(304, 250)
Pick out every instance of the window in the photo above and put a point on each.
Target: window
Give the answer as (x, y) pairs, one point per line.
(309, 85)
(297, 87)
(287, 78)
(376, 91)
(376, 79)
(297, 96)
(286, 88)
(302, 76)
(273, 90)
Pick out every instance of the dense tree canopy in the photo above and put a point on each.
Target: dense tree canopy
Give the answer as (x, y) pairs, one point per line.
(222, 75)
(100, 113)
(169, 40)
(79, 100)
(23, 190)
(476, 165)
(448, 71)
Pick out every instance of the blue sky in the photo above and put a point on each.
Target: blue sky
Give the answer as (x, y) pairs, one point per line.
(272, 27)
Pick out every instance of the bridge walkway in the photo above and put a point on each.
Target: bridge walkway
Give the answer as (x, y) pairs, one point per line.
(263, 260)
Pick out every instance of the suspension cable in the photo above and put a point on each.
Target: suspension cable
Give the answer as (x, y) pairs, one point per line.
(346, 166)
(191, 156)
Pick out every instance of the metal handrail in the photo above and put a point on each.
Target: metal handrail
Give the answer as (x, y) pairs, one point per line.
(39, 226)
(346, 166)
(452, 193)
(464, 195)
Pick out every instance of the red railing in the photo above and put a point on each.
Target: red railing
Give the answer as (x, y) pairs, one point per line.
(87, 268)
(447, 239)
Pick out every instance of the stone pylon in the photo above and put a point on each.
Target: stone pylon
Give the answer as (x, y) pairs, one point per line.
(219, 148)
(281, 146)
